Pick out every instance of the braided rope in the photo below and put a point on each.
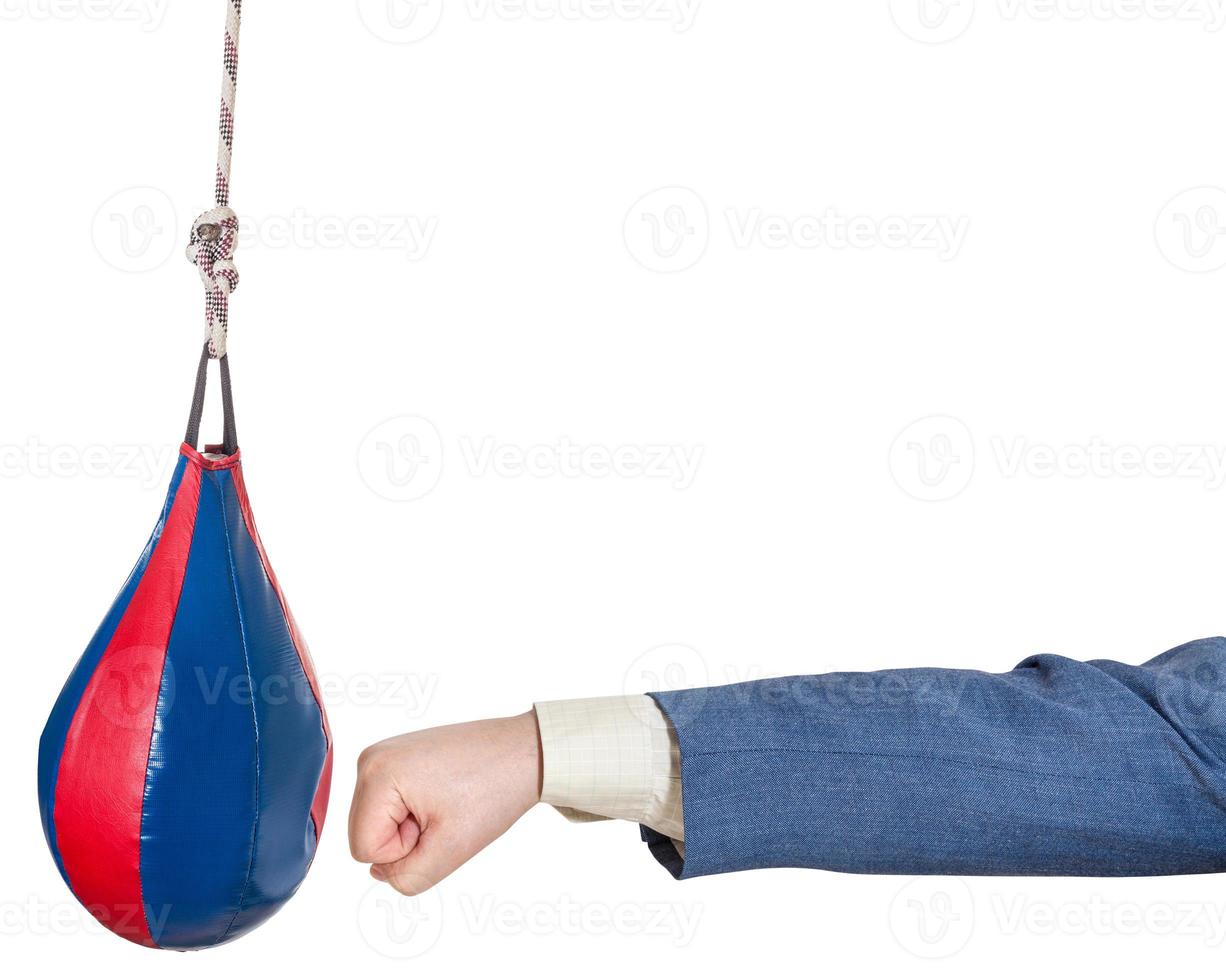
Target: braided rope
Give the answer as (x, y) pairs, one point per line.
(215, 233)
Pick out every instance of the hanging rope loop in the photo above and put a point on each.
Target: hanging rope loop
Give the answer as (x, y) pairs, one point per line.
(215, 233)
(211, 251)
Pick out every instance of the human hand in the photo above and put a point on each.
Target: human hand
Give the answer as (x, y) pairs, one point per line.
(428, 801)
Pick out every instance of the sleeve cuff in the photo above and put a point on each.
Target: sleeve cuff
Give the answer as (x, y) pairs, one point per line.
(612, 758)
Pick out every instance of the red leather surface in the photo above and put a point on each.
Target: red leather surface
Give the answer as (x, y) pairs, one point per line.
(100, 792)
(319, 808)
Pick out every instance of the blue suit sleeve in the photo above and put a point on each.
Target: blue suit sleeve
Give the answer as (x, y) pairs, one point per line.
(1055, 768)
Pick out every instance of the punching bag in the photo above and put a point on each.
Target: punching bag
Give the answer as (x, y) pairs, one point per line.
(183, 774)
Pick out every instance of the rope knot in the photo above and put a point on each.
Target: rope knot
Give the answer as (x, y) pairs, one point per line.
(211, 251)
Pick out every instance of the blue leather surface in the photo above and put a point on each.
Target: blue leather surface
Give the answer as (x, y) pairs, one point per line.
(291, 745)
(51, 745)
(199, 815)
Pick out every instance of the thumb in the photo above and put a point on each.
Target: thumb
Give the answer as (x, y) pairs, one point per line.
(382, 829)
(437, 853)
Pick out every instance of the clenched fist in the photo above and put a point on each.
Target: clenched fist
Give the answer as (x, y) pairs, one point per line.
(428, 801)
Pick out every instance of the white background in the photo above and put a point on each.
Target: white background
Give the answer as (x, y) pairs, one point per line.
(455, 314)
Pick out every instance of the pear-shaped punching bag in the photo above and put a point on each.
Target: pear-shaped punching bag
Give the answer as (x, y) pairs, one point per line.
(183, 774)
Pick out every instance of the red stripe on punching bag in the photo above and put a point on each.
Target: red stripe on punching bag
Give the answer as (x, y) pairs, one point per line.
(319, 807)
(99, 797)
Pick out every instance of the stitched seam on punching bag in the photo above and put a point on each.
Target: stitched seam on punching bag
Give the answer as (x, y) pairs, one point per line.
(304, 656)
(242, 629)
(149, 755)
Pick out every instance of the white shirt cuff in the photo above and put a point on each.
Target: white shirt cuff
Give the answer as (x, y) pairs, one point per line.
(612, 758)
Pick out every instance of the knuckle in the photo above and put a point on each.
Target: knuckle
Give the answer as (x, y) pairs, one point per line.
(369, 761)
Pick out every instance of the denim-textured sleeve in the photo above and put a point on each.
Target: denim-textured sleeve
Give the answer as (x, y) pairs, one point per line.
(1055, 768)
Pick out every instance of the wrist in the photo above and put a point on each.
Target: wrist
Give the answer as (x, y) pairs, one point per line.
(528, 756)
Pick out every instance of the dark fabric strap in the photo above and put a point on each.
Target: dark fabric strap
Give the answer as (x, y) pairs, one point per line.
(229, 444)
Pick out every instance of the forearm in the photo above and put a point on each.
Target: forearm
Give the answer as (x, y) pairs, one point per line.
(1057, 767)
